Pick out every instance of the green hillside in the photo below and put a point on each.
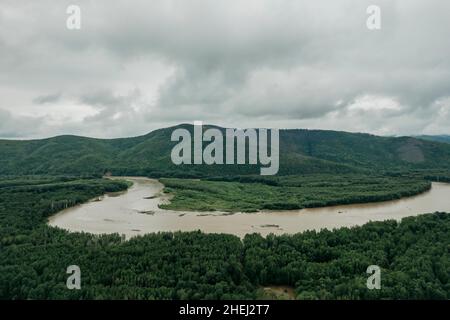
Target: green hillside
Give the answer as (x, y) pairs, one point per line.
(301, 152)
(440, 138)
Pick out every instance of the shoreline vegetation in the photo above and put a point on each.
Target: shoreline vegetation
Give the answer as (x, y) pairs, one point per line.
(412, 254)
(253, 194)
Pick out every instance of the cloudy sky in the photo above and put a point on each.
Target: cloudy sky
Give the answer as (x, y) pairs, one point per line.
(135, 66)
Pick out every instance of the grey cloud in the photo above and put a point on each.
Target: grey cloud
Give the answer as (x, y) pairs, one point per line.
(141, 63)
(18, 126)
(110, 105)
(106, 98)
(50, 98)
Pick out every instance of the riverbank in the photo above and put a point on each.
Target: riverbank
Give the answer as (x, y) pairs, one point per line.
(196, 265)
(123, 214)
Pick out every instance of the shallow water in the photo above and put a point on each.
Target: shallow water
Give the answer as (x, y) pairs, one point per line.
(135, 212)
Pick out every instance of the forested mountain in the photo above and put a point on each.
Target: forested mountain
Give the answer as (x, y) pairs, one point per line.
(413, 254)
(301, 151)
(439, 138)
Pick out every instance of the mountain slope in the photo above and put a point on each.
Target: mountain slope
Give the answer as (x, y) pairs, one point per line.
(301, 151)
(440, 138)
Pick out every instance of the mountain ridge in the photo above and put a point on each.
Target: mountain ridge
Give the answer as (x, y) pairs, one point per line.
(301, 151)
(437, 138)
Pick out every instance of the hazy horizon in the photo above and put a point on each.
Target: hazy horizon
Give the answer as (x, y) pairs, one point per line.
(206, 124)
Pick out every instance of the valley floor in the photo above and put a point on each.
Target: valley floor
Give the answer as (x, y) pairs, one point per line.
(412, 254)
(138, 211)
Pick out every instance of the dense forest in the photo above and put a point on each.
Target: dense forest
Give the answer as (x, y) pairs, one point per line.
(413, 255)
(301, 152)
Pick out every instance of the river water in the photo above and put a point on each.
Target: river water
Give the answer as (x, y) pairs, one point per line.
(136, 212)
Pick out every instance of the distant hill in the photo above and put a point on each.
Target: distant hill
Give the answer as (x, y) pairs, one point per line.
(439, 138)
(301, 151)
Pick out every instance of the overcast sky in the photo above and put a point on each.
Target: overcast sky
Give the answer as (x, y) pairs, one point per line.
(140, 65)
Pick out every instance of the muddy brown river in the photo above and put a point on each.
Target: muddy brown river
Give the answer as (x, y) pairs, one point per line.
(135, 212)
